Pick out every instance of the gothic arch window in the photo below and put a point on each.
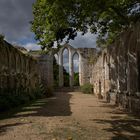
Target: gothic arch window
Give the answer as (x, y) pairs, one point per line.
(75, 59)
(65, 55)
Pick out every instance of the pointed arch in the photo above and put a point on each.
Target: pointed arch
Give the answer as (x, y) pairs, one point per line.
(75, 59)
(65, 57)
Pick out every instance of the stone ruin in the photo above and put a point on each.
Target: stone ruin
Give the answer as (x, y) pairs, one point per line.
(115, 68)
(85, 56)
(18, 71)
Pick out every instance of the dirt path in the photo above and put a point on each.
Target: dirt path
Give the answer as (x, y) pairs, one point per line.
(69, 116)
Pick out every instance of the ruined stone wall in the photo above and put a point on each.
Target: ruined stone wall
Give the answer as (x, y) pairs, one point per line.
(118, 68)
(18, 72)
(45, 67)
(100, 74)
(87, 57)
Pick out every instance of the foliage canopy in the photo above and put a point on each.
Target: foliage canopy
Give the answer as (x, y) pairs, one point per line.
(56, 19)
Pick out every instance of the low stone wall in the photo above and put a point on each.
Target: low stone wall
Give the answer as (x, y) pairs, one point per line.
(18, 72)
(118, 69)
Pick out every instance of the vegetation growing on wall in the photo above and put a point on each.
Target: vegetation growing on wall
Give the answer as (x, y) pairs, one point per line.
(19, 78)
(1, 38)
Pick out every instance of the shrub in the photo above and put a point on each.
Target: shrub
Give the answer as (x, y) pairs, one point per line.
(9, 99)
(49, 91)
(87, 89)
(4, 104)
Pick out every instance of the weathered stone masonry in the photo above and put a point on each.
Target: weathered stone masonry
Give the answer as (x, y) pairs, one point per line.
(45, 65)
(86, 56)
(18, 72)
(45, 69)
(118, 68)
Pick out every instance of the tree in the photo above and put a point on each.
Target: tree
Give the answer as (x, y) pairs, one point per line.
(56, 74)
(66, 77)
(1, 38)
(56, 19)
(76, 79)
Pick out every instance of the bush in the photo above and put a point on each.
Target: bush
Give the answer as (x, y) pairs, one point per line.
(87, 89)
(4, 104)
(12, 99)
(9, 100)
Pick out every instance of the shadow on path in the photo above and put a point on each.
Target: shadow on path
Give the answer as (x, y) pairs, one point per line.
(59, 105)
(124, 126)
(4, 128)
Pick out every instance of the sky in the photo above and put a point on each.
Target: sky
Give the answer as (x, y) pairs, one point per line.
(66, 61)
(15, 16)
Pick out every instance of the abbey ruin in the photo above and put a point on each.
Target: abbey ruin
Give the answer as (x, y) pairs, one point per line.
(85, 57)
(115, 68)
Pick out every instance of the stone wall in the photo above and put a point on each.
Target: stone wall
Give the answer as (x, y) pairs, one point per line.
(18, 72)
(86, 58)
(45, 67)
(118, 68)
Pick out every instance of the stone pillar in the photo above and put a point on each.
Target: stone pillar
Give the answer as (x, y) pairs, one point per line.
(60, 60)
(71, 75)
(80, 69)
(45, 64)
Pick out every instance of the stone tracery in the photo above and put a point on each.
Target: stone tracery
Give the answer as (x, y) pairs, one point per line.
(83, 64)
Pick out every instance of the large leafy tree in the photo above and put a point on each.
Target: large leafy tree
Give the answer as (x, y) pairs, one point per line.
(56, 19)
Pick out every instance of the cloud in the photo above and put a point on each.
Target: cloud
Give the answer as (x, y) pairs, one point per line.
(15, 16)
(66, 62)
(32, 46)
(86, 41)
(28, 46)
(75, 66)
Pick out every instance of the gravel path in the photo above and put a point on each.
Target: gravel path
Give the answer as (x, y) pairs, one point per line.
(69, 116)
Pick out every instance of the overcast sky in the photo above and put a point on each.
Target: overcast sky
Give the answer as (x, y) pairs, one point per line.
(15, 16)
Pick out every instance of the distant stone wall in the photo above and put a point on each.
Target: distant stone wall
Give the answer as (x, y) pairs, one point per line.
(118, 68)
(18, 72)
(86, 58)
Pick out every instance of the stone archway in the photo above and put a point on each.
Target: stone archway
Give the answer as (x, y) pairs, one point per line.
(84, 64)
(71, 52)
(76, 67)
